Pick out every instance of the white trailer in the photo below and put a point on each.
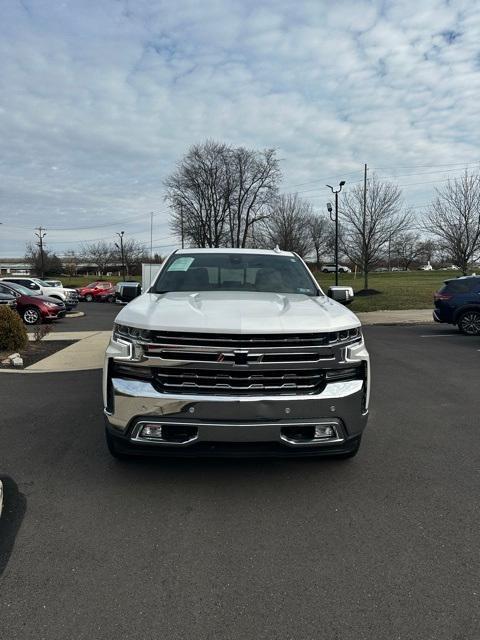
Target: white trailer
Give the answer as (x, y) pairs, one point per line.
(149, 273)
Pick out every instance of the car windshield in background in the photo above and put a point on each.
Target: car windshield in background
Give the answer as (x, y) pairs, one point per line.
(23, 290)
(235, 272)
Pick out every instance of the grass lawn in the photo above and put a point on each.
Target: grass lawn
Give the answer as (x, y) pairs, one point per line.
(399, 290)
(81, 281)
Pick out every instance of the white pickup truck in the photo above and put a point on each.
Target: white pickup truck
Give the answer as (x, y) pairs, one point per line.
(68, 296)
(236, 352)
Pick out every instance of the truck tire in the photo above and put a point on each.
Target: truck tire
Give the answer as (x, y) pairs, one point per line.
(469, 323)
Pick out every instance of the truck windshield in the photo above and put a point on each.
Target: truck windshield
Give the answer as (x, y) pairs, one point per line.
(235, 272)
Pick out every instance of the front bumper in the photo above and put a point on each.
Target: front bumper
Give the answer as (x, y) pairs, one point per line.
(54, 315)
(258, 424)
(227, 422)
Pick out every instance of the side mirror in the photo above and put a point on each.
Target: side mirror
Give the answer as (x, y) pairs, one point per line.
(344, 295)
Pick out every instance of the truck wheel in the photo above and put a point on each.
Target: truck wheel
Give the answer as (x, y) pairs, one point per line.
(352, 452)
(88, 297)
(31, 315)
(112, 447)
(469, 323)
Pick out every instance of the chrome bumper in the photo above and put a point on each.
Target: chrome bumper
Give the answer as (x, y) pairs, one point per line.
(237, 418)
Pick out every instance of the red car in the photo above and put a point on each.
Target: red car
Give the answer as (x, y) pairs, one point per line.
(93, 290)
(34, 308)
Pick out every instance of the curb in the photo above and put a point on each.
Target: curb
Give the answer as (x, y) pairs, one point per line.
(50, 370)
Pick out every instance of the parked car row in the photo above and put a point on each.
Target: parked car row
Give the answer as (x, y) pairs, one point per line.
(32, 306)
(101, 291)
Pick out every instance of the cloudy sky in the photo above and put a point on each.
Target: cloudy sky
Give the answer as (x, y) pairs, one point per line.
(98, 100)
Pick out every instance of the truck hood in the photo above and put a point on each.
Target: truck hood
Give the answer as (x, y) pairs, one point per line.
(236, 312)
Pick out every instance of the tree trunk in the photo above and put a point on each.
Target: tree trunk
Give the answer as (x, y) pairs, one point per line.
(365, 276)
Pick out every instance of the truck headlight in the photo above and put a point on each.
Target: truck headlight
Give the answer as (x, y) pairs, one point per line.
(347, 336)
(131, 338)
(131, 333)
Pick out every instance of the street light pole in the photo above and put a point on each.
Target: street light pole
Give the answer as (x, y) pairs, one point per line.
(336, 192)
(120, 235)
(40, 235)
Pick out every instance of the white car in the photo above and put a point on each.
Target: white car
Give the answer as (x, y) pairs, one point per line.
(330, 268)
(68, 296)
(236, 352)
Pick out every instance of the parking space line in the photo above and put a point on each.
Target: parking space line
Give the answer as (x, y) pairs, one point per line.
(440, 335)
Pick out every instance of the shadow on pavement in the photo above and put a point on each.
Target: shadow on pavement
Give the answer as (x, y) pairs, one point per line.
(14, 508)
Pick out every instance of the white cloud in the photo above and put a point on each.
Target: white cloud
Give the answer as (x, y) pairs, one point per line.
(99, 100)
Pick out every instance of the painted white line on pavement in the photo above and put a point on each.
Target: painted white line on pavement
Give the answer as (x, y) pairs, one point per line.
(440, 335)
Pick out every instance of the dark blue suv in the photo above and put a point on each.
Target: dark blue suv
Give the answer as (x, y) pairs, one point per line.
(458, 302)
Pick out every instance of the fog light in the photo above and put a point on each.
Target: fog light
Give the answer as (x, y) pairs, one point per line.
(324, 431)
(152, 431)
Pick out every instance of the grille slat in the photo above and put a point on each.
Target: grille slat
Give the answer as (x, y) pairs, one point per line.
(242, 341)
(242, 382)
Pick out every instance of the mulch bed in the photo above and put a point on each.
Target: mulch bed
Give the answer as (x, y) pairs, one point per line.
(367, 292)
(36, 351)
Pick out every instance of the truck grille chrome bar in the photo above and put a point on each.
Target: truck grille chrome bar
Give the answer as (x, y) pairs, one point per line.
(233, 382)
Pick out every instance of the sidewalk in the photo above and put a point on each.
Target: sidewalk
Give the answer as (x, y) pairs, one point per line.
(85, 354)
(401, 316)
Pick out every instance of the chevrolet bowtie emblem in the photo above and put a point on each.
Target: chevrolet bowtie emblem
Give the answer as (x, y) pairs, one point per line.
(240, 357)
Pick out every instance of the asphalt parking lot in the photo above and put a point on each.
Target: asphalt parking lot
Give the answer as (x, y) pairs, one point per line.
(381, 546)
(98, 317)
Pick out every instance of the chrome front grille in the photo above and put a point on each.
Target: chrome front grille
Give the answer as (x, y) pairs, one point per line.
(241, 341)
(239, 382)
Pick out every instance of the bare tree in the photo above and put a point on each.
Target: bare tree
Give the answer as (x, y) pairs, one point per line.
(406, 249)
(70, 262)
(321, 236)
(198, 192)
(427, 251)
(218, 192)
(100, 254)
(49, 265)
(365, 236)
(252, 178)
(134, 253)
(454, 218)
(288, 225)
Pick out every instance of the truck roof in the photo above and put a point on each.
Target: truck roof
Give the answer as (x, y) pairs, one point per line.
(265, 252)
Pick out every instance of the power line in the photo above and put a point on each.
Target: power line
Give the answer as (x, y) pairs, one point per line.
(431, 166)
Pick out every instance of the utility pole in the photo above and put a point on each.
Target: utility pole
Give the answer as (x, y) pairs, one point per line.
(336, 192)
(389, 249)
(41, 233)
(120, 235)
(181, 225)
(364, 229)
(151, 245)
